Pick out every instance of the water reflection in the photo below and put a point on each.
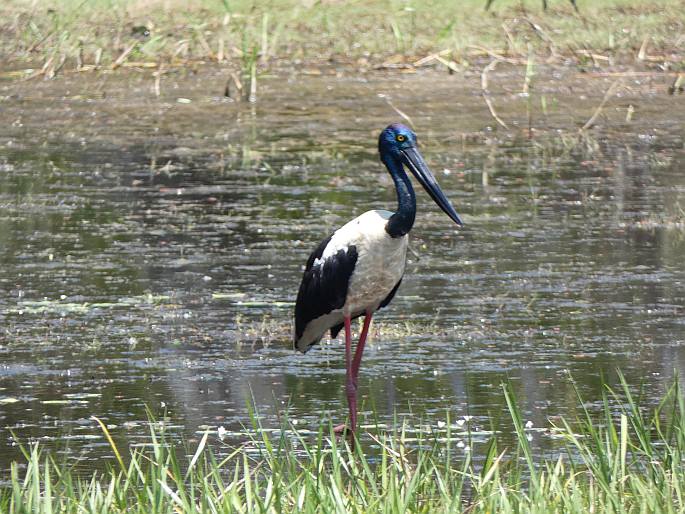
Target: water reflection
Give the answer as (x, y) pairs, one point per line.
(151, 253)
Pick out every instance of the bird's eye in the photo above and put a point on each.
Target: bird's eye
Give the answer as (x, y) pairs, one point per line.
(400, 138)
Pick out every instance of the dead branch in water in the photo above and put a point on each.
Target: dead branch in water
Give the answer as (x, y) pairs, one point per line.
(486, 94)
(609, 93)
(158, 79)
(677, 86)
(431, 57)
(402, 114)
(124, 55)
(495, 55)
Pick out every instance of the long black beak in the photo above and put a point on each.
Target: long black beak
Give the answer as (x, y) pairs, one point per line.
(412, 158)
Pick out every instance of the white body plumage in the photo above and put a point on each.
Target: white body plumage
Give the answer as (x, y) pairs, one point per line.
(379, 266)
(381, 260)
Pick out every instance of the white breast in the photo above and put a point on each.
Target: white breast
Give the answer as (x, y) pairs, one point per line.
(381, 260)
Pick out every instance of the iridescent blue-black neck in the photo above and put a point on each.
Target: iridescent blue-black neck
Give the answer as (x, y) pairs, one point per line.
(402, 221)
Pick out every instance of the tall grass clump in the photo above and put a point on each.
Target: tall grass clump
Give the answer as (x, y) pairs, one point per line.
(48, 38)
(622, 459)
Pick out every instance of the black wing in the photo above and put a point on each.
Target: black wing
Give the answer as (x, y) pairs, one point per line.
(324, 285)
(337, 328)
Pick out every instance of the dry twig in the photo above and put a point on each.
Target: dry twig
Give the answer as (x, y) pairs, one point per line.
(399, 112)
(609, 93)
(495, 55)
(158, 79)
(124, 55)
(486, 95)
(431, 57)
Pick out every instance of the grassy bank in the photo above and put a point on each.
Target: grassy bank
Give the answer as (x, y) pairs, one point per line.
(622, 459)
(87, 34)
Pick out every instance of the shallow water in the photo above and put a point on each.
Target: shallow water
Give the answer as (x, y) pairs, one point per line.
(151, 249)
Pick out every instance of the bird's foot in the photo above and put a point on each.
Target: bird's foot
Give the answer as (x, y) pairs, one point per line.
(344, 431)
(341, 429)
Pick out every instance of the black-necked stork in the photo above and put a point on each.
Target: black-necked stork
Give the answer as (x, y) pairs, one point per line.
(357, 270)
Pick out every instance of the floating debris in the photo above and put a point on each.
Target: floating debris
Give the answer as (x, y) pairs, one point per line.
(63, 402)
(82, 396)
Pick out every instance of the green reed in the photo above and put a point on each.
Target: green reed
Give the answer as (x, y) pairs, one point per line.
(625, 458)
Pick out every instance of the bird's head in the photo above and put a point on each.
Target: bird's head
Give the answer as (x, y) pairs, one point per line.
(398, 146)
(394, 139)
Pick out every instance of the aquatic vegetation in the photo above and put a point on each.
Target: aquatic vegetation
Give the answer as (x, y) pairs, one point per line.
(623, 459)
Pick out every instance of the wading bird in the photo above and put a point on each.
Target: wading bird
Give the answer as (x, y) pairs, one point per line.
(357, 270)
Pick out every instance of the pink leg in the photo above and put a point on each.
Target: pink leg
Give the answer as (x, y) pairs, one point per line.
(350, 390)
(352, 371)
(350, 386)
(356, 363)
